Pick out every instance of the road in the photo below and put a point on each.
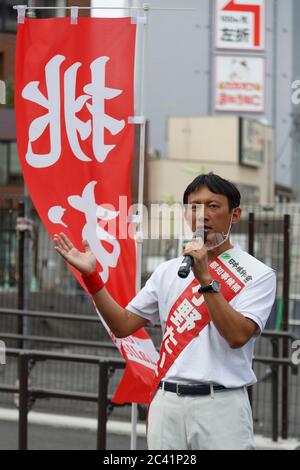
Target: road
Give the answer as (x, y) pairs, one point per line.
(52, 438)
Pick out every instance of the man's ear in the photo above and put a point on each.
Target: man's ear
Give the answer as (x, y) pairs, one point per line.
(236, 215)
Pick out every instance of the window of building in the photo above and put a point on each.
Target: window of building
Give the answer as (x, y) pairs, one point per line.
(8, 21)
(8, 244)
(8, 16)
(3, 163)
(14, 168)
(1, 65)
(2, 7)
(10, 168)
(249, 194)
(50, 13)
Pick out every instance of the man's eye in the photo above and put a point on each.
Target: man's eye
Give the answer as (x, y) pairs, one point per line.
(213, 206)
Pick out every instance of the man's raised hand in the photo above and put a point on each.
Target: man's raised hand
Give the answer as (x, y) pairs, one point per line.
(85, 261)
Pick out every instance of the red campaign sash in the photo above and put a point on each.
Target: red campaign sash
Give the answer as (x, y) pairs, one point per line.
(189, 315)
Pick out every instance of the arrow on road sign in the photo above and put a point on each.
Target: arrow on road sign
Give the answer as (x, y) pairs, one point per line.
(250, 8)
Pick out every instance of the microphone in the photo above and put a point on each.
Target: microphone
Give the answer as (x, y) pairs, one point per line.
(188, 261)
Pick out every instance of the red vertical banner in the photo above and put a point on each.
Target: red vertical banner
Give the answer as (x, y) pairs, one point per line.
(74, 93)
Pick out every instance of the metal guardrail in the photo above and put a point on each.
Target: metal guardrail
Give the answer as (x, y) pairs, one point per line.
(56, 340)
(27, 394)
(54, 316)
(276, 362)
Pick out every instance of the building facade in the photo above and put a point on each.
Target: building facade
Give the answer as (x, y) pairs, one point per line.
(181, 68)
(239, 149)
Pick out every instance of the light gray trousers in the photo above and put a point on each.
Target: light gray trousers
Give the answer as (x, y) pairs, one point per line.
(222, 420)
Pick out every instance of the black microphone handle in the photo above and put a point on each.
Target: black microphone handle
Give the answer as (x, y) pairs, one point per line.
(185, 267)
(187, 264)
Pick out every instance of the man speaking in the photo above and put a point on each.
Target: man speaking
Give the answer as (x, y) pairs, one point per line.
(210, 320)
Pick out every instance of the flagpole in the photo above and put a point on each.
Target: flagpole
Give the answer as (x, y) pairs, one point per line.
(140, 111)
(28, 7)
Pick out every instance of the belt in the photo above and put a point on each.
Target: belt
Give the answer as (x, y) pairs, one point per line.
(190, 389)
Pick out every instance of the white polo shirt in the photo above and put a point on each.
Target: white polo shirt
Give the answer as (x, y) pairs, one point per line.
(208, 358)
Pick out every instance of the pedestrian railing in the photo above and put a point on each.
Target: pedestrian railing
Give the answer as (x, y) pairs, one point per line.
(278, 360)
(27, 357)
(28, 394)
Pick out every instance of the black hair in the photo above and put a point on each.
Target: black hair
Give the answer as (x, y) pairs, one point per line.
(216, 185)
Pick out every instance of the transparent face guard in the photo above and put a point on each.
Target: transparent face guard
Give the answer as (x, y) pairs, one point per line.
(209, 237)
(212, 239)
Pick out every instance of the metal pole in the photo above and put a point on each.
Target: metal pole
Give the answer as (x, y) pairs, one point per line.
(27, 207)
(275, 47)
(285, 323)
(21, 275)
(102, 406)
(133, 440)
(23, 401)
(251, 227)
(275, 394)
(15, 7)
(210, 105)
(24, 270)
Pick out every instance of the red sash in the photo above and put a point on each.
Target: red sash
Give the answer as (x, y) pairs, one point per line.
(189, 315)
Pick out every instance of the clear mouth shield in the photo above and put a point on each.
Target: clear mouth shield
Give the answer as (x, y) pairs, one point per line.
(214, 239)
(194, 219)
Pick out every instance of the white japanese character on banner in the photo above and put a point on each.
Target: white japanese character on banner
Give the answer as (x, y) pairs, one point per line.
(214, 265)
(169, 336)
(185, 316)
(230, 282)
(225, 276)
(101, 121)
(197, 301)
(236, 288)
(96, 92)
(219, 271)
(162, 362)
(91, 231)
(31, 92)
